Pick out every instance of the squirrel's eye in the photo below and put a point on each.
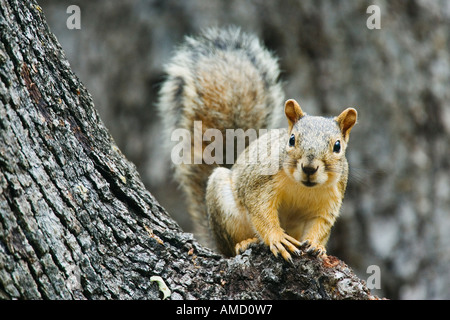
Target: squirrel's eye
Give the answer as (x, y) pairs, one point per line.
(292, 140)
(337, 147)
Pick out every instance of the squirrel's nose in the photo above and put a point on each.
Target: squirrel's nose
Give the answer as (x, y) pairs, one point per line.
(309, 170)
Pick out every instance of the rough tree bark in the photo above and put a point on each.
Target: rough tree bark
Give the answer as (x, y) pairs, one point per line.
(76, 222)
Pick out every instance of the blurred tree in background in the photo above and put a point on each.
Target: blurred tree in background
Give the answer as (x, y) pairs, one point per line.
(396, 214)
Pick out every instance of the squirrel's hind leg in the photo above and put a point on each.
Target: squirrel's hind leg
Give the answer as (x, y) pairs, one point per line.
(244, 244)
(228, 221)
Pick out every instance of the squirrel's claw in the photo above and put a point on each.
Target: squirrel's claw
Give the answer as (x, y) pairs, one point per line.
(314, 250)
(282, 244)
(304, 245)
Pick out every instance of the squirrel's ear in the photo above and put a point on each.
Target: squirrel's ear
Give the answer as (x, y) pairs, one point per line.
(293, 112)
(346, 120)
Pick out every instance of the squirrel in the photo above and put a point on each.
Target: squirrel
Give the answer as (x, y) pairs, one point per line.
(291, 196)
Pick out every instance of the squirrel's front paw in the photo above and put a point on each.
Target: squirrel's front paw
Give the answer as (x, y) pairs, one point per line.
(279, 242)
(316, 250)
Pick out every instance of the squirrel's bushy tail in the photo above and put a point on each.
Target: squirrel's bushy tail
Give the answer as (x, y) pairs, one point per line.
(227, 80)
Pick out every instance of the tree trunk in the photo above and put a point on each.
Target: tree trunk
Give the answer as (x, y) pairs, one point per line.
(76, 222)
